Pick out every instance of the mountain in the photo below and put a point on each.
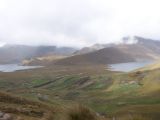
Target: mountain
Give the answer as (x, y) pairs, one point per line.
(108, 55)
(128, 40)
(18, 53)
(130, 49)
(151, 44)
(140, 48)
(92, 48)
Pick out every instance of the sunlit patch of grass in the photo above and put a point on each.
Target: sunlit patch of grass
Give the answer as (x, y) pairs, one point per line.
(125, 88)
(38, 81)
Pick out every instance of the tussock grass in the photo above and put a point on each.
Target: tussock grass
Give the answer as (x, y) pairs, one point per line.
(80, 112)
(40, 111)
(20, 106)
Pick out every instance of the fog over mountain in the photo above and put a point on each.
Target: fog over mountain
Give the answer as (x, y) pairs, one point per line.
(77, 23)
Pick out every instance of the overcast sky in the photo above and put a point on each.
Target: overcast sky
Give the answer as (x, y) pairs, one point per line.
(77, 23)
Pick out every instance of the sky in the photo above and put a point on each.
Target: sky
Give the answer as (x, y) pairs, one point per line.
(77, 23)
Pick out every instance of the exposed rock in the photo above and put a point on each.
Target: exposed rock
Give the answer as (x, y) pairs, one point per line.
(5, 116)
(1, 114)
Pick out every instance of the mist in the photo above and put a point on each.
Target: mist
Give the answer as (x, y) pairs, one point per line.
(77, 23)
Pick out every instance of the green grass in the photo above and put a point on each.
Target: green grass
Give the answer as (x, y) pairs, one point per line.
(104, 91)
(38, 82)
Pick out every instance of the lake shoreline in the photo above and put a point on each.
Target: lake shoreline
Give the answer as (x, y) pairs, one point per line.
(130, 66)
(16, 67)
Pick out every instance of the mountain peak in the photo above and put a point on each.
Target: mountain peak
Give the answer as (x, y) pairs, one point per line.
(129, 40)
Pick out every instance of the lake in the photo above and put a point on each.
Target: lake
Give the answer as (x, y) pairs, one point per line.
(128, 67)
(15, 67)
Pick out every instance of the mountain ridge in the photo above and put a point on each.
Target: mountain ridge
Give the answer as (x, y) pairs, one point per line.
(130, 50)
(18, 53)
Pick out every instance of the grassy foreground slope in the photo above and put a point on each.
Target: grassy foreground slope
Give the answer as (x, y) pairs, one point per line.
(120, 96)
(18, 108)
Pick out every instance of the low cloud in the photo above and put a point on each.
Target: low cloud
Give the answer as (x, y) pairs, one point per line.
(77, 23)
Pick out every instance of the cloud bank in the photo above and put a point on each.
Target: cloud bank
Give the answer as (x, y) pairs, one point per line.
(77, 23)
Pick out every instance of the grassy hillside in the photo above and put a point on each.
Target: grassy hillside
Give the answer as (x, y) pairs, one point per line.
(113, 95)
(155, 65)
(43, 61)
(18, 108)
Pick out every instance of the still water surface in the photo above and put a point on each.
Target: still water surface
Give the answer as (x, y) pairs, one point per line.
(128, 67)
(15, 67)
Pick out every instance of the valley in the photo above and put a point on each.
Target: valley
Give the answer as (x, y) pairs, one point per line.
(85, 86)
(111, 94)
